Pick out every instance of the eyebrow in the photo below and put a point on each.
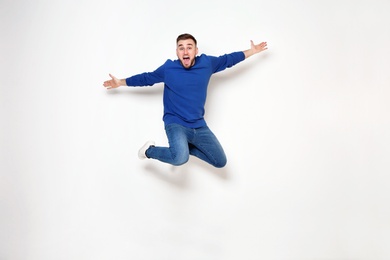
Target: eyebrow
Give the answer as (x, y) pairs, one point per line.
(183, 44)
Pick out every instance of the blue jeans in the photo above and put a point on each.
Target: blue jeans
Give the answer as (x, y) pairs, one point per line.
(184, 141)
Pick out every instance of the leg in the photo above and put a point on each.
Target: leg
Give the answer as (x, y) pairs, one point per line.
(178, 152)
(206, 146)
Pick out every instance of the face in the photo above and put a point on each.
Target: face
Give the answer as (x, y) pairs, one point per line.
(186, 51)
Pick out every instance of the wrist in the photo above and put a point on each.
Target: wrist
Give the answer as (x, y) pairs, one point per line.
(248, 53)
(122, 82)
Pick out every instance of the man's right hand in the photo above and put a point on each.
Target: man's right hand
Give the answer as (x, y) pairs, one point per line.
(114, 82)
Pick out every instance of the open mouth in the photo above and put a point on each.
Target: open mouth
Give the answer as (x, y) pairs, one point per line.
(186, 61)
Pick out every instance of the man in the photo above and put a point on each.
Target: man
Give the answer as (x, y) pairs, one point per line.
(185, 88)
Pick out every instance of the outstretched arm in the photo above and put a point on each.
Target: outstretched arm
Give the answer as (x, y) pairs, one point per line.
(255, 49)
(114, 82)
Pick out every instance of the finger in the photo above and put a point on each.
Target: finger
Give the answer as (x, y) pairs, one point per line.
(112, 76)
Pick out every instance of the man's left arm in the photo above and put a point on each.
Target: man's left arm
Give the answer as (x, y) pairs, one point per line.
(228, 60)
(255, 48)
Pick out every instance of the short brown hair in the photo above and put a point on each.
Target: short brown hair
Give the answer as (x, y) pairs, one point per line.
(185, 36)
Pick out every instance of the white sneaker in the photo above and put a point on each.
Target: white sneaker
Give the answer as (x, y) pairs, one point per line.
(142, 150)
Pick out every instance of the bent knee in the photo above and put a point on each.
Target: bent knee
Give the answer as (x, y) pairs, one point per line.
(221, 163)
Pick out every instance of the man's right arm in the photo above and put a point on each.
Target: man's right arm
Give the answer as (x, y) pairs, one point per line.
(114, 82)
(143, 79)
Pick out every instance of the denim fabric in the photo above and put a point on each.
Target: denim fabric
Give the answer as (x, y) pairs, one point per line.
(184, 141)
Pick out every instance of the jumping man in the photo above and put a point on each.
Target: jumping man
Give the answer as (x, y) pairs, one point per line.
(185, 88)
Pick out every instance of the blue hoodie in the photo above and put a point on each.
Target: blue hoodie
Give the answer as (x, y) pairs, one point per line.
(185, 90)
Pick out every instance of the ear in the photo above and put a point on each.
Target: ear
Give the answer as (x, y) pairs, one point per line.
(197, 50)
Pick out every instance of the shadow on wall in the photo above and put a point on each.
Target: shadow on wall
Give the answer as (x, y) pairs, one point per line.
(239, 71)
(179, 176)
(156, 90)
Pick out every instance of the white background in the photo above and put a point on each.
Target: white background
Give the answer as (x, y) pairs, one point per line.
(305, 126)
